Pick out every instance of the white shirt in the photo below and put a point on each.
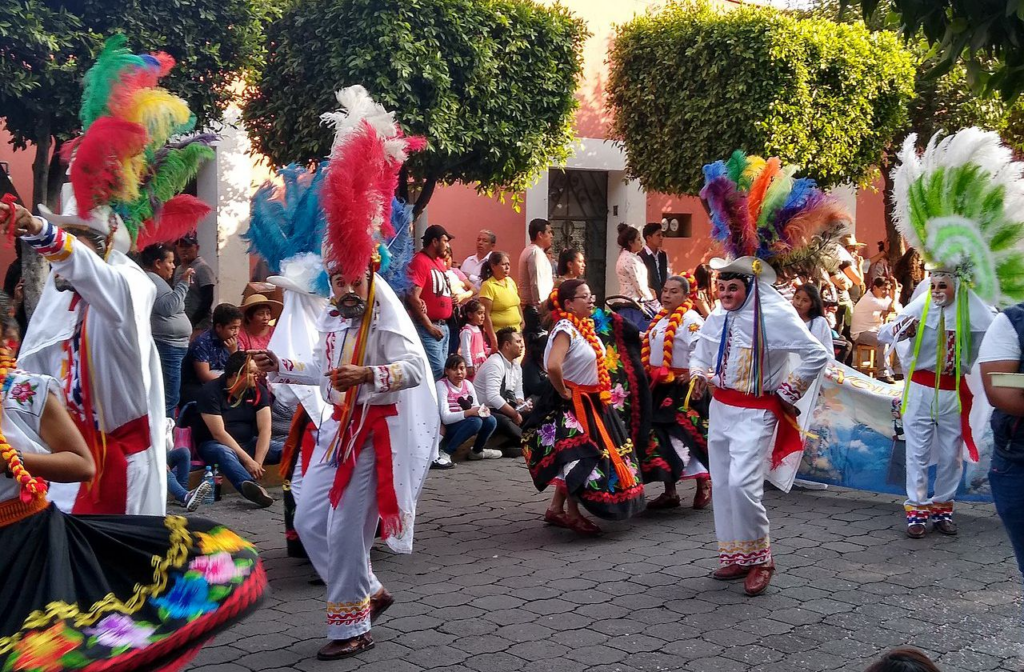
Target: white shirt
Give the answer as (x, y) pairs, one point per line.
(867, 314)
(821, 330)
(632, 276)
(580, 364)
(1001, 343)
(450, 416)
(473, 267)
(490, 375)
(536, 279)
(683, 344)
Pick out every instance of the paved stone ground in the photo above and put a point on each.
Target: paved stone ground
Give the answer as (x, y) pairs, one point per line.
(491, 589)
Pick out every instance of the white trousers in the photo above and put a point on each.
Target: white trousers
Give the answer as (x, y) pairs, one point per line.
(932, 429)
(338, 540)
(739, 440)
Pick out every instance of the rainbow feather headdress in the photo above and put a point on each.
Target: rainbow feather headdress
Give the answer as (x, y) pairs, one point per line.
(763, 215)
(961, 205)
(130, 165)
(765, 218)
(358, 193)
(287, 224)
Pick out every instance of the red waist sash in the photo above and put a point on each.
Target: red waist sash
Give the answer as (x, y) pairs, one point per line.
(948, 383)
(371, 422)
(787, 435)
(108, 491)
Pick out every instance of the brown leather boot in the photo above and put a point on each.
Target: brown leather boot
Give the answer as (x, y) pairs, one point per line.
(336, 649)
(730, 572)
(758, 579)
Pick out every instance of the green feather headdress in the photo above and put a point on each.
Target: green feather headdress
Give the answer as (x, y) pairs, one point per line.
(961, 204)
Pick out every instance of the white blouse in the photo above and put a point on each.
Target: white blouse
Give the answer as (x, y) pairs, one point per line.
(821, 330)
(685, 340)
(23, 405)
(632, 276)
(580, 365)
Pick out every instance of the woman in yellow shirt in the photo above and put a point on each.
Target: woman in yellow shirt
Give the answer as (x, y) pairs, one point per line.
(500, 296)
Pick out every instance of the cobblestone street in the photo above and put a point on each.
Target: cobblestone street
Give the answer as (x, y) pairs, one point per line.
(491, 589)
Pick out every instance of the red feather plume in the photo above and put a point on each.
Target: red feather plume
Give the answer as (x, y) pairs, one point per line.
(96, 170)
(178, 216)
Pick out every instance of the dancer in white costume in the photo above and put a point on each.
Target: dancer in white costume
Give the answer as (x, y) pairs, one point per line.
(374, 450)
(754, 350)
(957, 204)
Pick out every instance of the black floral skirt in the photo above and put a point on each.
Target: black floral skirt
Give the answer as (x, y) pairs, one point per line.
(119, 593)
(561, 447)
(659, 461)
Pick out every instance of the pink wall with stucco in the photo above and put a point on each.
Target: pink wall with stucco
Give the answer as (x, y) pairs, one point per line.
(871, 215)
(19, 165)
(463, 212)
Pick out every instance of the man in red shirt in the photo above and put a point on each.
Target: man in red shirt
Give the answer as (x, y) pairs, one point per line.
(430, 298)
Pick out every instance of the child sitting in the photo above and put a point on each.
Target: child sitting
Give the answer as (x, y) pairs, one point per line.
(472, 344)
(462, 415)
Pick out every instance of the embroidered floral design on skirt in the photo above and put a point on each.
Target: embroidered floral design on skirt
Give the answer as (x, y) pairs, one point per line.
(659, 461)
(119, 593)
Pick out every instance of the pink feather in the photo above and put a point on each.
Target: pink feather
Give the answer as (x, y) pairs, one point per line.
(96, 170)
(177, 217)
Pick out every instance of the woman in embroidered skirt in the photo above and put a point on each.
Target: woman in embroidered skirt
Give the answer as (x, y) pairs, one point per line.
(101, 592)
(574, 439)
(678, 446)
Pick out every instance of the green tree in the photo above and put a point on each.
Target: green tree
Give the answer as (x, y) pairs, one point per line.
(984, 35)
(691, 83)
(490, 83)
(47, 45)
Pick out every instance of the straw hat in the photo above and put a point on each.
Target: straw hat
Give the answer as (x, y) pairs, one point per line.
(254, 301)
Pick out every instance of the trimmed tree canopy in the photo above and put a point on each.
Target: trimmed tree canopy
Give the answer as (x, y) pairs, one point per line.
(490, 83)
(692, 83)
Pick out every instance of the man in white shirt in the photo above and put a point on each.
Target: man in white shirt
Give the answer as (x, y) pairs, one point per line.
(536, 279)
(473, 266)
(499, 381)
(871, 312)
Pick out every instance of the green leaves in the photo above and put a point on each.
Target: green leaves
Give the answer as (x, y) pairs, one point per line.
(490, 83)
(690, 84)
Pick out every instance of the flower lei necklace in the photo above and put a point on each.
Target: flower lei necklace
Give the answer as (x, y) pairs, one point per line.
(586, 328)
(674, 321)
(31, 487)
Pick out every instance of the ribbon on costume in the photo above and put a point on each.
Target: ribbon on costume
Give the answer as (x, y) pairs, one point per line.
(581, 394)
(788, 434)
(373, 425)
(964, 398)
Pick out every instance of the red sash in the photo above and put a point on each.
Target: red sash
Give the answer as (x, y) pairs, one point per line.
(108, 491)
(787, 436)
(948, 383)
(374, 420)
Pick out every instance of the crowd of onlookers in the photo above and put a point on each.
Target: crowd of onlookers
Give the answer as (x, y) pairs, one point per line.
(480, 325)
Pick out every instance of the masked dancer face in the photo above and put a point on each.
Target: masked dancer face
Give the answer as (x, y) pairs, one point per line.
(943, 290)
(732, 293)
(350, 295)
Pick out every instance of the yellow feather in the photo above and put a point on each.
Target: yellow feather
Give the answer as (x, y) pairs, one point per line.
(159, 112)
(755, 164)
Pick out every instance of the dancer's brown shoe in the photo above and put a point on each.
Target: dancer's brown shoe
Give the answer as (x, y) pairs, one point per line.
(664, 501)
(916, 531)
(947, 527)
(379, 603)
(556, 518)
(582, 526)
(702, 497)
(730, 572)
(336, 649)
(758, 579)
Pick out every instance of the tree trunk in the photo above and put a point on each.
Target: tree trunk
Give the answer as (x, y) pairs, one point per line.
(55, 178)
(34, 268)
(425, 193)
(896, 243)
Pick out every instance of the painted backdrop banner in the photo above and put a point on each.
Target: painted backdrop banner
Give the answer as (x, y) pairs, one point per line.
(855, 436)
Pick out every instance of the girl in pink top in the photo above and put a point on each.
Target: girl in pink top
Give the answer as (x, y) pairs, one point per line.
(472, 344)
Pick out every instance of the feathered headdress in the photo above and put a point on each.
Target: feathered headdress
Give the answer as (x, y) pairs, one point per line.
(125, 176)
(287, 225)
(362, 174)
(760, 210)
(961, 205)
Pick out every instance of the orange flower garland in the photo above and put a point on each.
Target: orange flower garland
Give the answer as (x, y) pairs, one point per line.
(586, 328)
(31, 487)
(665, 372)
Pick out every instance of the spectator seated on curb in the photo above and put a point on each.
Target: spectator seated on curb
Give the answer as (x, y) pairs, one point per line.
(500, 382)
(236, 429)
(208, 354)
(463, 415)
(904, 660)
(179, 465)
